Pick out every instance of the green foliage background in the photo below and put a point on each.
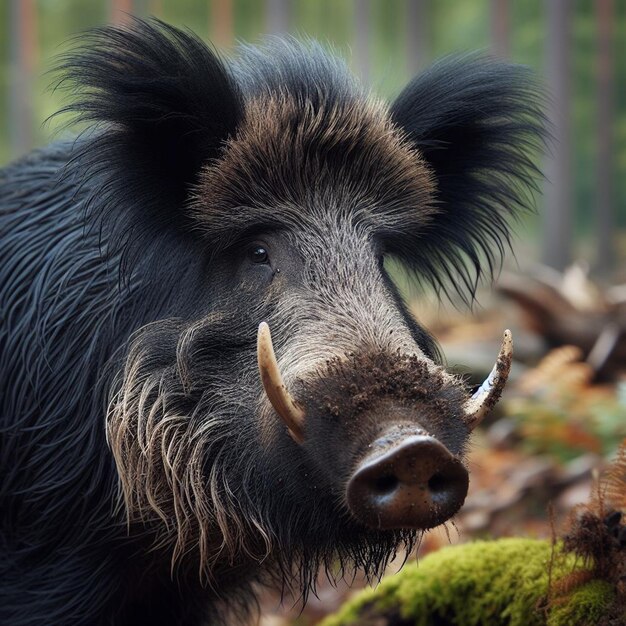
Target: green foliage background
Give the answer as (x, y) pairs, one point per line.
(454, 26)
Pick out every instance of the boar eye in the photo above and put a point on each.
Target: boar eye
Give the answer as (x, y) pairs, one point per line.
(258, 254)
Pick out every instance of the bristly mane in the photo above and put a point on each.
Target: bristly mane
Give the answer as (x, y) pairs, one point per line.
(474, 122)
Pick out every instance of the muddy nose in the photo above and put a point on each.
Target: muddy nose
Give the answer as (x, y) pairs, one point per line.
(417, 483)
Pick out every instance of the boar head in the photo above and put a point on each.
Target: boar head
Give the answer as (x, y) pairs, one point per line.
(268, 192)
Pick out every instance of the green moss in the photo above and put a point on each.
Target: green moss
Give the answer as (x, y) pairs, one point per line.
(586, 605)
(486, 582)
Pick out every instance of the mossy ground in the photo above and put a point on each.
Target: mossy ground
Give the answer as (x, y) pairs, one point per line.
(503, 582)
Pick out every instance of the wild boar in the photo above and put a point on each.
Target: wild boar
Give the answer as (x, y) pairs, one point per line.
(161, 453)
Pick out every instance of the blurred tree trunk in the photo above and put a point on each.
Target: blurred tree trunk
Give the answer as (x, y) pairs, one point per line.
(500, 28)
(604, 162)
(557, 227)
(155, 7)
(141, 8)
(277, 16)
(23, 38)
(418, 34)
(362, 14)
(120, 11)
(222, 27)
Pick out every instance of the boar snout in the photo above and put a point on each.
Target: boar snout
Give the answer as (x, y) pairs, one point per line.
(411, 476)
(413, 483)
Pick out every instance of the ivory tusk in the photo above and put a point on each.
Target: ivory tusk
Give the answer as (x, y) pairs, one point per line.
(490, 391)
(277, 393)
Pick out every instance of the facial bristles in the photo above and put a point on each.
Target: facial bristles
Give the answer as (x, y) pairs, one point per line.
(277, 393)
(488, 394)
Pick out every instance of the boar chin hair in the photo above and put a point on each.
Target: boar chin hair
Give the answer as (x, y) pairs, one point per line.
(186, 476)
(161, 434)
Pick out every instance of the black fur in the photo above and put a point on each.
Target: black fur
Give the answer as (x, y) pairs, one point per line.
(480, 124)
(159, 104)
(63, 319)
(161, 109)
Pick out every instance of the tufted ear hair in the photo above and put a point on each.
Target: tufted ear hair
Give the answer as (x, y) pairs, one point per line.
(478, 123)
(158, 104)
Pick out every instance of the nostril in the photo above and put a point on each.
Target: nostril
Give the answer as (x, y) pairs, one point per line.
(385, 484)
(438, 482)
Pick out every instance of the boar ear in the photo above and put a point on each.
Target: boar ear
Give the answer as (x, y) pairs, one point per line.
(158, 103)
(478, 123)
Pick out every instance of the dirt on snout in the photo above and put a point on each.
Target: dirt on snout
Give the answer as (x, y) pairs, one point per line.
(409, 387)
